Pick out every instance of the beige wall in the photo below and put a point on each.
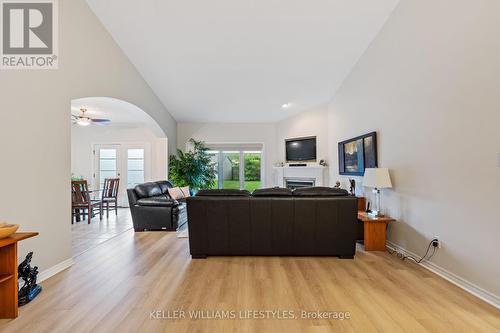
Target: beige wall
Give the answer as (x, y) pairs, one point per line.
(35, 127)
(429, 85)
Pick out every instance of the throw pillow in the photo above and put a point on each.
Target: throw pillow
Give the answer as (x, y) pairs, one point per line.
(175, 193)
(185, 191)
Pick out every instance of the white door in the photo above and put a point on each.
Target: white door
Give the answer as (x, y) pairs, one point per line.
(107, 164)
(129, 162)
(137, 169)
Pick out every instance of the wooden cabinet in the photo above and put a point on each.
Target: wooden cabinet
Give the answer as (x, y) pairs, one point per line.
(8, 273)
(374, 231)
(361, 204)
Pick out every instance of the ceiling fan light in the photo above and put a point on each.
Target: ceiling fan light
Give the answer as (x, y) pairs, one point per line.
(83, 121)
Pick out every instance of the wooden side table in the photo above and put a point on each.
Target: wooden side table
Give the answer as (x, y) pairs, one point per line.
(374, 231)
(8, 273)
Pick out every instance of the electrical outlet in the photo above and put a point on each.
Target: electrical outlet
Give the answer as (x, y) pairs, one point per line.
(439, 243)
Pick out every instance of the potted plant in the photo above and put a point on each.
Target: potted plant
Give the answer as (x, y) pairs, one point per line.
(193, 168)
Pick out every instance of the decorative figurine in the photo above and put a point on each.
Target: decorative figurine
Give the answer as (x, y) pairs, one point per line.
(30, 289)
(337, 184)
(353, 186)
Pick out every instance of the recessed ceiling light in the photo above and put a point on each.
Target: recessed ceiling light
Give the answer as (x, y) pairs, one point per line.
(287, 105)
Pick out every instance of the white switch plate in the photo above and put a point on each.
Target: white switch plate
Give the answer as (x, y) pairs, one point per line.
(498, 160)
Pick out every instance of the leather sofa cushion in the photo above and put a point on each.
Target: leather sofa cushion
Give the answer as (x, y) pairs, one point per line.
(272, 192)
(319, 191)
(157, 201)
(147, 190)
(164, 185)
(223, 193)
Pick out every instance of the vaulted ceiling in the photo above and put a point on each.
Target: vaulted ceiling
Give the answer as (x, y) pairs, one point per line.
(241, 61)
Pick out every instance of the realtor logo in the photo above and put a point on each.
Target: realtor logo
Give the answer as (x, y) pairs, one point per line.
(29, 34)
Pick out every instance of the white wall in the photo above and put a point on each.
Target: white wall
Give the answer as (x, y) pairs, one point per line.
(429, 85)
(272, 135)
(309, 123)
(35, 127)
(233, 133)
(83, 140)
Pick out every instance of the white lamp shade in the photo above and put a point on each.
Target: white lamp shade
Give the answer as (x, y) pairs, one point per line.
(377, 178)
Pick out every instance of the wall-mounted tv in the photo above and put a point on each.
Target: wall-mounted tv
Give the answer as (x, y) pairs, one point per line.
(301, 149)
(357, 154)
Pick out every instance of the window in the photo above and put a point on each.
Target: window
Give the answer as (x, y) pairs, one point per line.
(231, 170)
(107, 164)
(237, 167)
(135, 167)
(214, 155)
(252, 169)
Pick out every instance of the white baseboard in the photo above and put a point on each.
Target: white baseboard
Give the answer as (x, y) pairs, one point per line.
(470, 287)
(50, 272)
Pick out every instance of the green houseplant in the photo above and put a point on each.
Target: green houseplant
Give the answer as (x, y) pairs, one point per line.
(193, 168)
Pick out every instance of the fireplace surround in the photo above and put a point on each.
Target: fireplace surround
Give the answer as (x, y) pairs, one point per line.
(297, 177)
(293, 183)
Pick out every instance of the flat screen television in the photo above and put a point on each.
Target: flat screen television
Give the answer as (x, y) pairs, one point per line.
(301, 149)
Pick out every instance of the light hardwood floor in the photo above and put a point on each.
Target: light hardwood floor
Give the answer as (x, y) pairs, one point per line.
(86, 236)
(115, 286)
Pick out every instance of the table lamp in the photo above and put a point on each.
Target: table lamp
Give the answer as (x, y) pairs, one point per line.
(377, 178)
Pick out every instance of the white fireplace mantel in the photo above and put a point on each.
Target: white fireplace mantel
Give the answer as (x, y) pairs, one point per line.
(304, 173)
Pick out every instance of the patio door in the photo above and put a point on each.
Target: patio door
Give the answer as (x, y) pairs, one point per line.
(129, 162)
(237, 168)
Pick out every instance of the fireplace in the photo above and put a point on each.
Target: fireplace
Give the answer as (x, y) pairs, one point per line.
(295, 177)
(299, 183)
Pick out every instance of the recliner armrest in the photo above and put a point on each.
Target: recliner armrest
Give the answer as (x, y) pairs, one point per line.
(132, 197)
(157, 202)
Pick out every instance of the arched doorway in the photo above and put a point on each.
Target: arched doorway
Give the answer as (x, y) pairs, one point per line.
(130, 146)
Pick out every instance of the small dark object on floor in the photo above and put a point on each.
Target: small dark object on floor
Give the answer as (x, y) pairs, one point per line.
(29, 274)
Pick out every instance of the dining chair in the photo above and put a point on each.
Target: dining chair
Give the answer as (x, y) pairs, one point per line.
(81, 201)
(110, 194)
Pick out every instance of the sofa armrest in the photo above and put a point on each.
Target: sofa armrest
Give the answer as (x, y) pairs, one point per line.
(157, 202)
(132, 197)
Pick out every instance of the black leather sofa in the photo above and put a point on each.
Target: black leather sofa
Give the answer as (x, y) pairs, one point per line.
(316, 221)
(152, 207)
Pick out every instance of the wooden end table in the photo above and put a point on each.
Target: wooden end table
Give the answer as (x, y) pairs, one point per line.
(374, 231)
(8, 273)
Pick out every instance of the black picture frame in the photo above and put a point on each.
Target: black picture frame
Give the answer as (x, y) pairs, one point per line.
(357, 154)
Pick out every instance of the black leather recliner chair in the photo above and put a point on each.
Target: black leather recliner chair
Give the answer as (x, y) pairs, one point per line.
(152, 207)
(316, 221)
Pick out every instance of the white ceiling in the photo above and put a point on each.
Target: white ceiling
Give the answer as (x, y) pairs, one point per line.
(239, 61)
(121, 113)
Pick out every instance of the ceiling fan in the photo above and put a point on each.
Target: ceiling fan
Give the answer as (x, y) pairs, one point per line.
(84, 120)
